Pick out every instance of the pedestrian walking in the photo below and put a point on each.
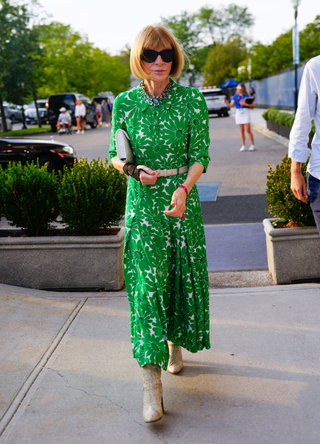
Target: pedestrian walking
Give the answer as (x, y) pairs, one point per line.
(97, 111)
(80, 114)
(104, 113)
(252, 92)
(242, 115)
(165, 263)
(308, 109)
(110, 106)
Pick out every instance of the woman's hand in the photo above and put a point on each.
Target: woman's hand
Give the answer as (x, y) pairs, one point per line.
(148, 176)
(178, 200)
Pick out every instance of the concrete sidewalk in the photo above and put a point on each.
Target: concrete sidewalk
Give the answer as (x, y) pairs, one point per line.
(68, 377)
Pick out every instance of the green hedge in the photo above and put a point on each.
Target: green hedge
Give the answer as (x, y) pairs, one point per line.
(285, 119)
(88, 197)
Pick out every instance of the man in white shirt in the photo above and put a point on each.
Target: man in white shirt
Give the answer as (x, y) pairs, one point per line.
(80, 116)
(64, 119)
(308, 109)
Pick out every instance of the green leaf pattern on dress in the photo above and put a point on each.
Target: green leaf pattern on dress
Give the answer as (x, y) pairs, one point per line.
(165, 262)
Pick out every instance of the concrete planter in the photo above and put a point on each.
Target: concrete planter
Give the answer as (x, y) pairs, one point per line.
(63, 262)
(292, 253)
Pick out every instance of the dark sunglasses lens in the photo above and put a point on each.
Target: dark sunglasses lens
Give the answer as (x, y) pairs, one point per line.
(167, 55)
(149, 55)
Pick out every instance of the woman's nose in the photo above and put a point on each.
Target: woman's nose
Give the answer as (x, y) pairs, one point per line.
(159, 59)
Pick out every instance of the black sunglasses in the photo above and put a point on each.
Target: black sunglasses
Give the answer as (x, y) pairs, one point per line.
(150, 55)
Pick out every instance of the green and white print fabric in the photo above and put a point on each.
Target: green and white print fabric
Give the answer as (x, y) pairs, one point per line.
(165, 262)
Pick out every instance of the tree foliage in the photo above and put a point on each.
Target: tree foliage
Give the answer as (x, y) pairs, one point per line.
(225, 23)
(269, 59)
(71, 63)
(223, 60)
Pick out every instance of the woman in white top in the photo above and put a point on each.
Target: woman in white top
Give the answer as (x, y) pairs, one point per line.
(80, 116)
(242, 115)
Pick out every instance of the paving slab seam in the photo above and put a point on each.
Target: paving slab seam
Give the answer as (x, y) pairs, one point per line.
(268, 289)
(36, 372)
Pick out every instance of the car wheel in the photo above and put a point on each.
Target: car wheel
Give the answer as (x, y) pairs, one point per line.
(12, 118)
(53, 128)
(51, 163)
(226, 114)
(94, 124)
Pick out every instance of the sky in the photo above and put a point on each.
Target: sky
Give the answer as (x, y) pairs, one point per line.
(113, 24)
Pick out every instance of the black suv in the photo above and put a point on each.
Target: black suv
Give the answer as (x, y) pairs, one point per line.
(69, 101)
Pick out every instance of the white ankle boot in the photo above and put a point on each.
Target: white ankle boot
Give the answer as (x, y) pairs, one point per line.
(152, 398)
(175, 364)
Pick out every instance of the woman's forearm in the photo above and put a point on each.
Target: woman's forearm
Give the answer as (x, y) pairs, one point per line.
(193, 176)
(118, 164)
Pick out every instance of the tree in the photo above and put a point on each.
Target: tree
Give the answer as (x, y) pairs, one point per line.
(223, 60)
(18, 50)
(224, 23)
(265, 58)
(71, 63)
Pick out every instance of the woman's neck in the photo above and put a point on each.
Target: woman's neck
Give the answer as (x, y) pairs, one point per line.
(156, 88)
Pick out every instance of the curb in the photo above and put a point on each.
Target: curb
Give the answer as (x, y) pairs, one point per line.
(270, 134)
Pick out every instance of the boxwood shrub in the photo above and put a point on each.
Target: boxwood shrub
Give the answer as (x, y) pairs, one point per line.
(92, 196)
(285, 119)
(29, 197)
(281, 201)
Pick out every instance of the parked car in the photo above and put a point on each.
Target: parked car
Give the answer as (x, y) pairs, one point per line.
(9, 124)
(49, 152)
(13, 113)
(31, 112)
(69, 101)
(214, 98)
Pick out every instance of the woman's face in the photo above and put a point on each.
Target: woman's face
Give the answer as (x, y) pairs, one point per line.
(239, 91)
(158, 70)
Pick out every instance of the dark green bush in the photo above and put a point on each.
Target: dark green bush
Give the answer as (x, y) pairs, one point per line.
(285, 119)
(29, 197)
(92, 196)
(281, 200)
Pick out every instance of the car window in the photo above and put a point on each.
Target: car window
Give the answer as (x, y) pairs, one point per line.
(57, 101)
(209, 94)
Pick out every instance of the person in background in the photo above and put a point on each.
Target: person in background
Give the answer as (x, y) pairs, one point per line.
(104, 113)
(242, 115)
(308, 109)
(80, 115)
(252, 92)
(64, 120)
(97, 114)
(110, 106)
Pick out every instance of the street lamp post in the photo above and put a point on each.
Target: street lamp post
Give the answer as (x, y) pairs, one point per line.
(249, 44)
(296, 52)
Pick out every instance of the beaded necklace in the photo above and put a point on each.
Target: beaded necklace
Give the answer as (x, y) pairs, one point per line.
(153, 100)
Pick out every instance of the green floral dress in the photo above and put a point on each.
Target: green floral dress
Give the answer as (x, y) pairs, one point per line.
(165, 262)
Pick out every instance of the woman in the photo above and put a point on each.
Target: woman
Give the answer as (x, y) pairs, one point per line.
(165, 262)
(104, 113)
(242, 115)
(97, 111)
(80, 114)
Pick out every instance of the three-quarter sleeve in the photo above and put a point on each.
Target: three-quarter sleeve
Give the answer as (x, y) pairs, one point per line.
(299, 135)
(118, 122)
(199, 139)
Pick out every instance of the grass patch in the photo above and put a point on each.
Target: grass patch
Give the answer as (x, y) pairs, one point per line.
(32, 130)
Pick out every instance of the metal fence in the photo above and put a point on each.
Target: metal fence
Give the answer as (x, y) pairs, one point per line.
(277, 90)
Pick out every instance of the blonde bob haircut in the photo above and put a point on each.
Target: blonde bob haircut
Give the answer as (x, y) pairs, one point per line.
(149, 38)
